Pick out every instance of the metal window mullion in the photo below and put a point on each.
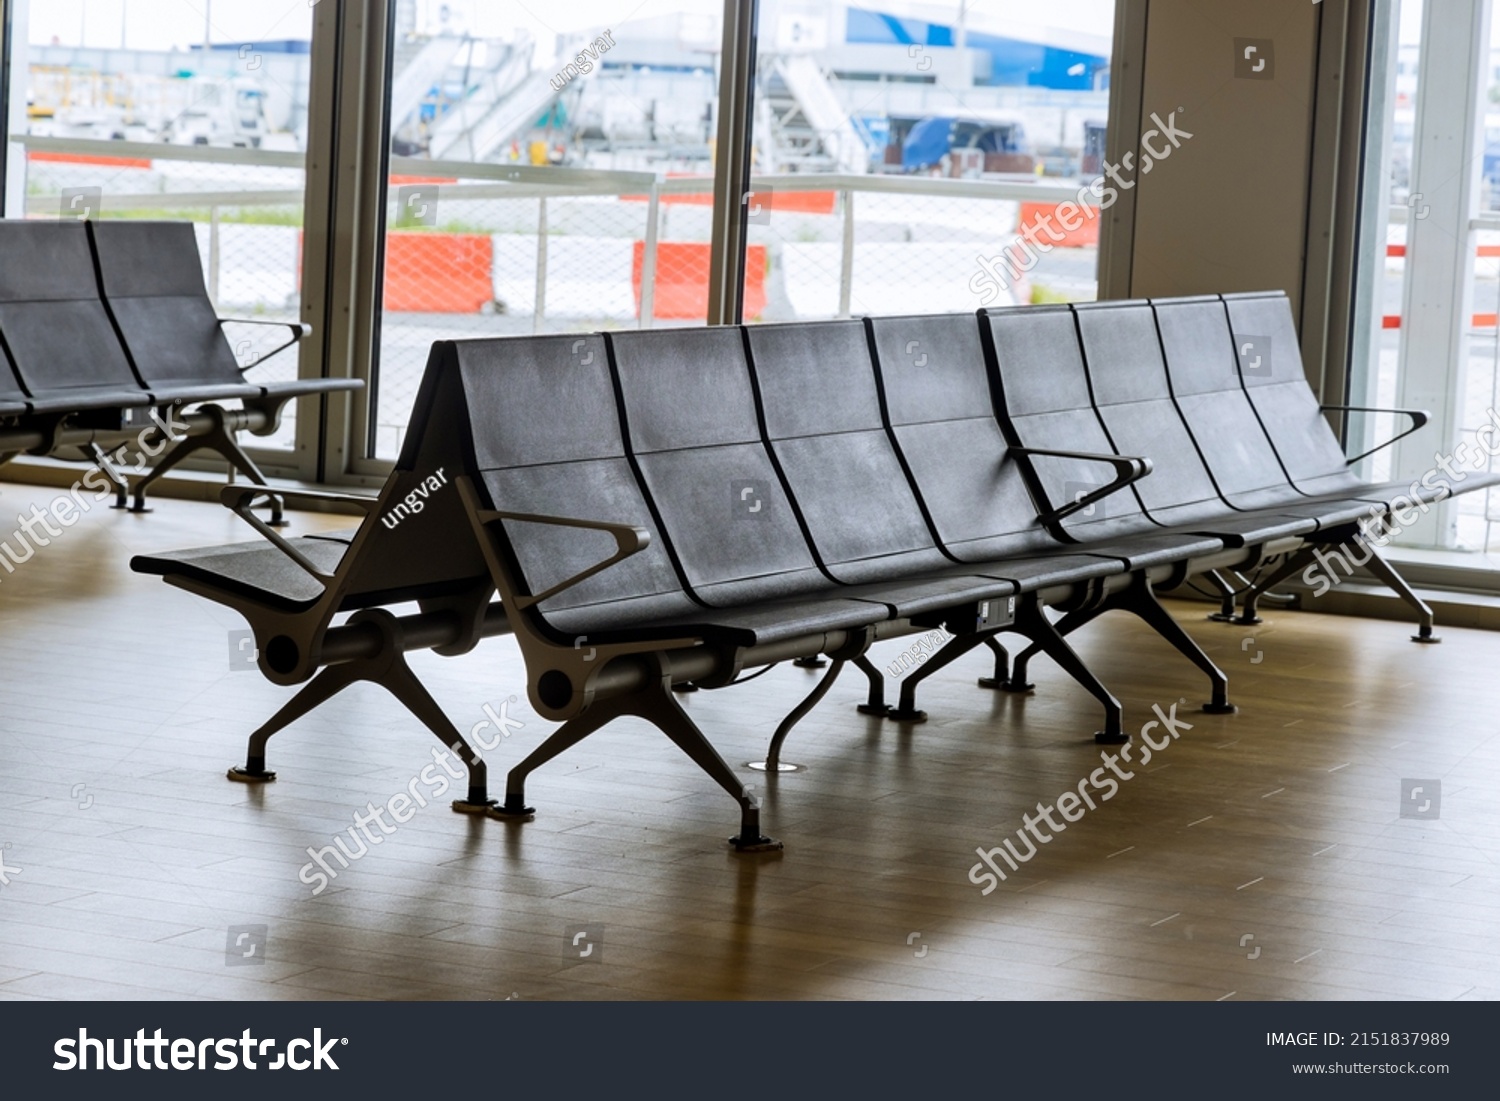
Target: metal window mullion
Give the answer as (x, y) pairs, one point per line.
(726, 277)
(1326, 198)
(344, 224)
(13, 123)
(1127, 86)
(317, 356)
(1367, 303)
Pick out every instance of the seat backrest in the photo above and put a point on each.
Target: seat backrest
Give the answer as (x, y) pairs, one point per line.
(415, 544)
(152, 278)
(54, 324)
(1128, 378)
(694, 434)
(12, 393)
(938, 404)
(539, 418)
(1205, 376)
(1045, 399)
(1270, 361)
(821, 410)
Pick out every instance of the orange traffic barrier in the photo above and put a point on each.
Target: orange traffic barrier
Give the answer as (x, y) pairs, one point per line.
(1481, 251)
(1032, 215)
(88, 158)
(438, 272)
(1481, 321)
(682, 280)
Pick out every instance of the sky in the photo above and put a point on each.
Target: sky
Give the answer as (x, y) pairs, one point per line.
(163, 24)
(1411, 22)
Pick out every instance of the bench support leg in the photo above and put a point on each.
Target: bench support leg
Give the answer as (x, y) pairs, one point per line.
(1387, 573)
(183, 449)
(1032, 621)
(1064, 627)
(1141, 600)
(107, 467)
(875, 704)
(402, 683)
(1247, 616)
(772, 763)
(1225, 614)
(659, 707)
(220, 440)
(906, 710)
(1280, 600)
(1002, 665)
(815, 661)
(390, 671)
(318, 691)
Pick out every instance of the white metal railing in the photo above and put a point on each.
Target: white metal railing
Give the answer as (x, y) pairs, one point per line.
(511, 181)
(162, 151)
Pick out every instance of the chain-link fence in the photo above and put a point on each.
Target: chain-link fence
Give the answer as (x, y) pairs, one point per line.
(495, 250)
(245, 204)
(485, 250)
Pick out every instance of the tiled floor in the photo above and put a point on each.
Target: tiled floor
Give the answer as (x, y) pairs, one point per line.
(1263, 855)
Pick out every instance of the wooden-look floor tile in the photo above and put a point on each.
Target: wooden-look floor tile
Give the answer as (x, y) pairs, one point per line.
(1262, 855)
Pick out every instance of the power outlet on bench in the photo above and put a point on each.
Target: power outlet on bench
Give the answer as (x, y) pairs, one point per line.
(104, 420)
(983, 615)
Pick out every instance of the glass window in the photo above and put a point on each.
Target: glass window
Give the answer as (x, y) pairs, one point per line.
(899, 160)
(1479, 513)
(551, 171)
(1438, 281)
(178, 110)
(1390, 283)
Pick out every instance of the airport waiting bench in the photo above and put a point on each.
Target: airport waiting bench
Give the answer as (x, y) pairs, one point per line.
(107, 332)
(672, 508)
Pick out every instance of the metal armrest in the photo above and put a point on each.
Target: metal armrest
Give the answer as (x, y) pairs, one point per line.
(239, 498)
(299, 331)
(1419, 418)
(629, 540)
(1128, 471)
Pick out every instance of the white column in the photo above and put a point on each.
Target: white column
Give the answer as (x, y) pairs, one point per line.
(1439, 293)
